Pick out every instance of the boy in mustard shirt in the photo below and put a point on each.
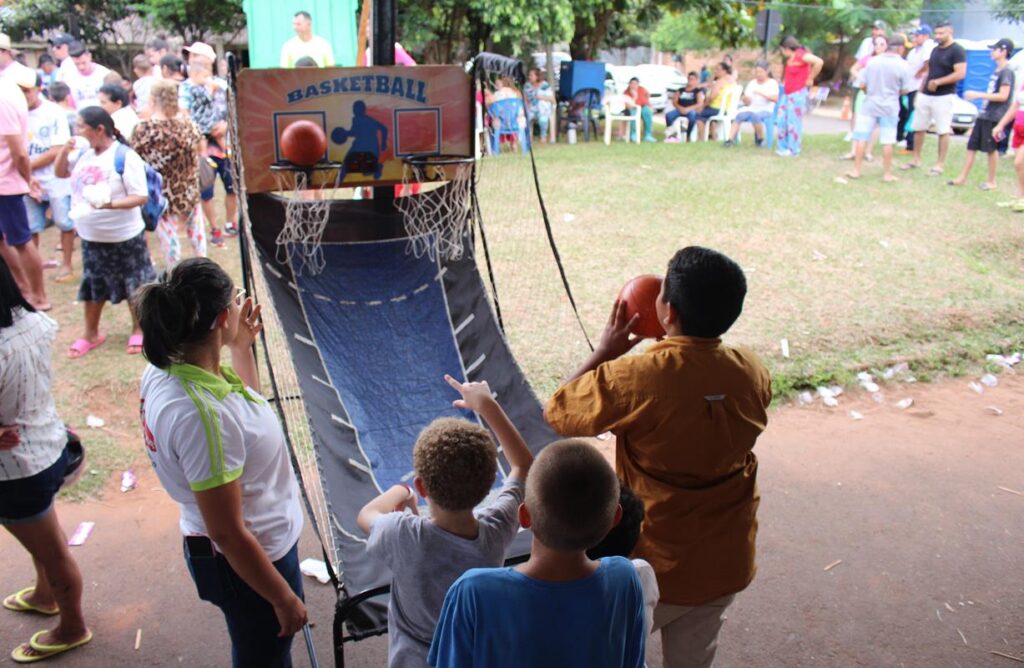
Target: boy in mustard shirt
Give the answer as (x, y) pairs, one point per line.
(686, 414)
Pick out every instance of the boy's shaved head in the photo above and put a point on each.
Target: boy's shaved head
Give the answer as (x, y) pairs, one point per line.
(457, 461)
(572, 495)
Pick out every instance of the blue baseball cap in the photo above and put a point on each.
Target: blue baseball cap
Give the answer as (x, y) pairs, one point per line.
(923, 29)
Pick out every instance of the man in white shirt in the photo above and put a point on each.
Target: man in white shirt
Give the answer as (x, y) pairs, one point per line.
(917, 61)
(59, 44)
(758, 100)
(48, 131)
(144, 70)
(84, 78)
(155, 50)
(305, 43)
(867, 45)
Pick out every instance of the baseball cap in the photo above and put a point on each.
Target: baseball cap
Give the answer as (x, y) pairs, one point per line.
(1004, 44)
(5, 43)
(879, 25)
(923, 29)
(25, 77)
(202, 49)
(61, 39)
(76, 48)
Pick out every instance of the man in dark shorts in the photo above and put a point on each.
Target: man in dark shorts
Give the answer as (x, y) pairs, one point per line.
(933, 105)
(994, 103)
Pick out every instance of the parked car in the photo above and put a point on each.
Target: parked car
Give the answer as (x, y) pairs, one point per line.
(964, 115)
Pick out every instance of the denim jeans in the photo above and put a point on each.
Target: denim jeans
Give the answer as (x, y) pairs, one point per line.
(252, 624)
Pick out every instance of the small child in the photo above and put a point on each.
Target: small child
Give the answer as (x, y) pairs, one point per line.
(455, 463)
(686, 414)
(621, 541)
(559, 608)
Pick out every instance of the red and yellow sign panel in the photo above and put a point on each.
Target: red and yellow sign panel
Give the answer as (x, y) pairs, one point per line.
(371, 116)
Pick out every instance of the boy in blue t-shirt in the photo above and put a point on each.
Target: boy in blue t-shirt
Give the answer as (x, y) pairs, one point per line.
(560, 608)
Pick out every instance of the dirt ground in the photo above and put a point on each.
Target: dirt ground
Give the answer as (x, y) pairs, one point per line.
(910, 501)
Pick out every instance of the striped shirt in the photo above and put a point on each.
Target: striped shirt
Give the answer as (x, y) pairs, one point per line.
(26, 400)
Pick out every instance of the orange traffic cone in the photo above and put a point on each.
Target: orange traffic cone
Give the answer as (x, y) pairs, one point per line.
(844, 115)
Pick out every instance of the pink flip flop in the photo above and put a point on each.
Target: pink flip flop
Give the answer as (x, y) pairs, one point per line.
(135, 344)
(82, 347)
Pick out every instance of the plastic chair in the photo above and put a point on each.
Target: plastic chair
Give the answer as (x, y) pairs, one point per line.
(730, 103)
(508, 119)
(820, 95)
(615, 109)
(679, 128)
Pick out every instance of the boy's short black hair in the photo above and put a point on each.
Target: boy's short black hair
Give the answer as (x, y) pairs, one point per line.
(706, 289)
(59, 91)
(622, 539)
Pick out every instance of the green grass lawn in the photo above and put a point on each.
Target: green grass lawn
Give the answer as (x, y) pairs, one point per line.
(855, 276)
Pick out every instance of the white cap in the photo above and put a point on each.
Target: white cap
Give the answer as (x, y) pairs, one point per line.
(25, 77)
(5, 43)
(202, 49)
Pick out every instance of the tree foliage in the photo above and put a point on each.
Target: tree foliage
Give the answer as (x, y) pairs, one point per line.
(678, 32)
(98, 23)
(194, 20)
(835, 28)
(1011, 11)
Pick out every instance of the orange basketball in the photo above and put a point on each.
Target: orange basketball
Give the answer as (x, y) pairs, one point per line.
(303, 143)
(640, 295)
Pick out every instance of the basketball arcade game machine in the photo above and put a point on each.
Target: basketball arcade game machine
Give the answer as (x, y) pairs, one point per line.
(368, 302)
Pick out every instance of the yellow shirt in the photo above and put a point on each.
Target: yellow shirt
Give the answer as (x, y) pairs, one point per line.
(317, 48)
(686, 414)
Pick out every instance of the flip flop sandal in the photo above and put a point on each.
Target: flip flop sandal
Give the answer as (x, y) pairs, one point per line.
(81, 347)
(64, 278)
(986, 187)
(934, 172)
(17, 603)
(908, 166)
(135, 344)
(34, 651)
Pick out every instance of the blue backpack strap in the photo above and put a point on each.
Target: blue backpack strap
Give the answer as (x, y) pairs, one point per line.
(119, 158)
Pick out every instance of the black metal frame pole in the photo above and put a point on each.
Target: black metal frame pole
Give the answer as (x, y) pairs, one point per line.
(383, 53)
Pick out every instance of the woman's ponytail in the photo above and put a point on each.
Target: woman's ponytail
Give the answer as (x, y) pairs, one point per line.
(181, 308)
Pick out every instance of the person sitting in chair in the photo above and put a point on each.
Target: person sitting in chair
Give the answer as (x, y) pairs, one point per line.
(687, 103)
(715, 96)
(758, 104)
(638, 101)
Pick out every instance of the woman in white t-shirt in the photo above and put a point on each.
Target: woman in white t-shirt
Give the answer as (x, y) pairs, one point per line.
(220, 453)
(105, 206)
(33, 462)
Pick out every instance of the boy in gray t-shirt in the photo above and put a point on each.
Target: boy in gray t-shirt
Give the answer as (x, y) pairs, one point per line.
(455, 463)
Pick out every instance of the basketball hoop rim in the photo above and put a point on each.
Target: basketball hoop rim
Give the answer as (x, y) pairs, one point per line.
(437, 159)
(285, 166)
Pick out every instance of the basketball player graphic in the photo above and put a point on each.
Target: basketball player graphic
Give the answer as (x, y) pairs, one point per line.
(369, 140)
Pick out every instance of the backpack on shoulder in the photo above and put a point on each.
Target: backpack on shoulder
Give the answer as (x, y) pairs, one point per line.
(156, 203)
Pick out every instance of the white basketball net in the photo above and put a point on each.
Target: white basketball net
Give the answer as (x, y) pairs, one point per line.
(438, 219)
(307, 209)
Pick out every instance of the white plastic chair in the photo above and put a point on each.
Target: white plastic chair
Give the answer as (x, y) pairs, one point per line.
(727, 112)
(679, 128)
(615, 109)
